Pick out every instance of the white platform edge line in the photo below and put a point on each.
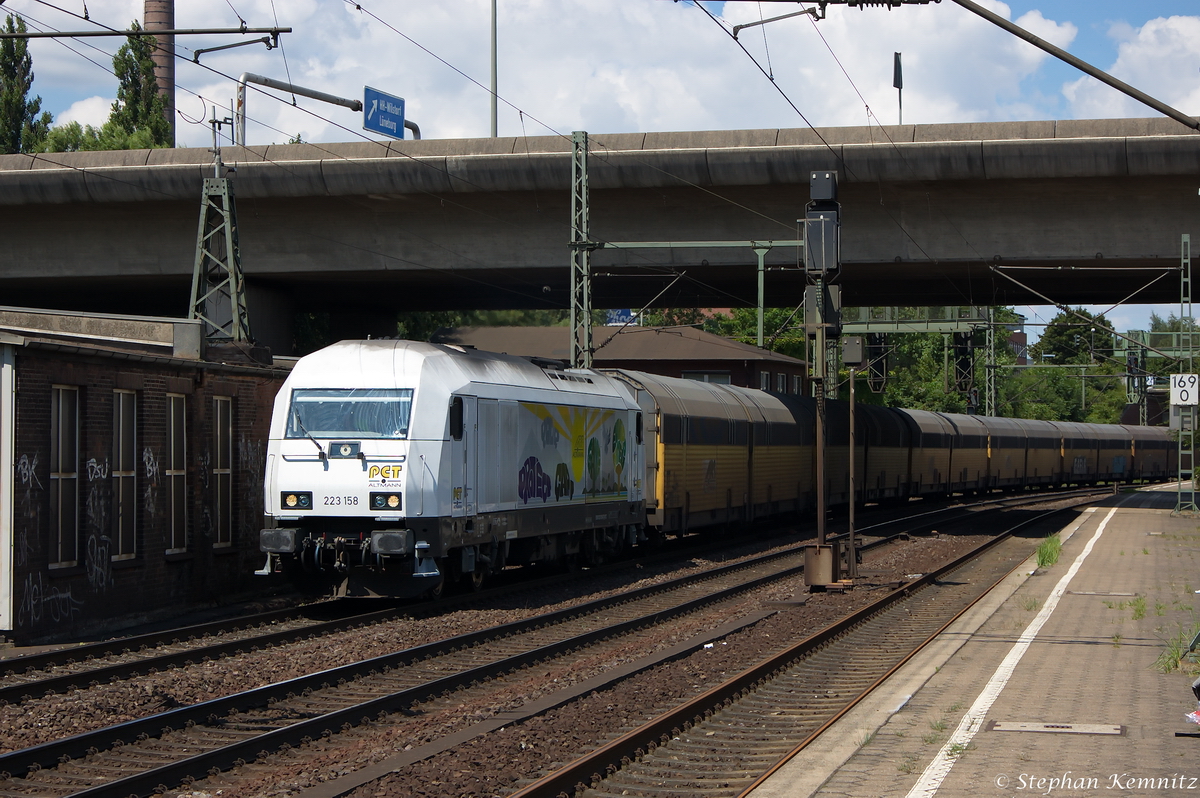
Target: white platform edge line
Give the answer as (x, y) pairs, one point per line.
(937, 770)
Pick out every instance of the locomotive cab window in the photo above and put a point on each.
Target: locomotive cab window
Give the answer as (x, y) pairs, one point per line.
(456, 418)
(638, 427)
(350, 413)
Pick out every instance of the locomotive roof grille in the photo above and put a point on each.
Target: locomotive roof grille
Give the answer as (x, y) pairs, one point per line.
(558, 375)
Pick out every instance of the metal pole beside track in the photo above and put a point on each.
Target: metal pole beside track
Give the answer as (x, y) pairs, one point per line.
(851, 556)
(819, 395)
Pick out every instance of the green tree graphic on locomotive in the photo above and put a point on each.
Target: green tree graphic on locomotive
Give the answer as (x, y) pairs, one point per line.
(593, 463)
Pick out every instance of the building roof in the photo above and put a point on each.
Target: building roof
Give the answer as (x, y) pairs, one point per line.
(147, 339)
(612, 344)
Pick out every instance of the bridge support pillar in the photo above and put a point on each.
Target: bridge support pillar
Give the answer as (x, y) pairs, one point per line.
(274, 317)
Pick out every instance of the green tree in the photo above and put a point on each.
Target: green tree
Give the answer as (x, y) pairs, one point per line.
(420, 325)
(73, 137)
(1094, 393)
(1163, 367)
(673, 317)
(23, 124)
(1046, 394)
(139, 106)
(1075, 337)
(782, 329)
(917, 374)
(138, 118)
(1172, 323)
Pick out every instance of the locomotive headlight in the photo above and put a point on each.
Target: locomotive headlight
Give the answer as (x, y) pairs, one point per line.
(385, 501)
(297, 500)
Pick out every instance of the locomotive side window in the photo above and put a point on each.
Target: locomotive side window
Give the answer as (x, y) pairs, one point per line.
(456, 418)
(350, 413)
(638, 427)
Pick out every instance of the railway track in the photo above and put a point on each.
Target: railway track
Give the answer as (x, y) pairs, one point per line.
(173, 747)
(79, 667)
(722, 743)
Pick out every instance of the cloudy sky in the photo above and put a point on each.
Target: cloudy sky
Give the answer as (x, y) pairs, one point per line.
(639, 65)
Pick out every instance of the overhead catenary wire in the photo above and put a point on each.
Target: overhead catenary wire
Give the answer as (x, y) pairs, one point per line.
(282, 51)
(520, 111)
(883, 130)
(1067, 309)
(455, 177)
(565, 136)
(837, 155)
(650, 264)
(43, 157)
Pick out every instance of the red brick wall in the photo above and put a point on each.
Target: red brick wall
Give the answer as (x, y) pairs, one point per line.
(99, 593)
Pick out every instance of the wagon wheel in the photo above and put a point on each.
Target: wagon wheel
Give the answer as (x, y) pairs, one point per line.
(437, 591)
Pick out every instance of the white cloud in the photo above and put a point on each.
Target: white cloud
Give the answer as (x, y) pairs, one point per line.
(1160, 58)
(92, 111)
(571, 64)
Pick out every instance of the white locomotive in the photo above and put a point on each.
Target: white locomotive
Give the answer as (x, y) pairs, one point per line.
(393, 466)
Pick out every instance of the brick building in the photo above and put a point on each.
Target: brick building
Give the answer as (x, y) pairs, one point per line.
(133, 479)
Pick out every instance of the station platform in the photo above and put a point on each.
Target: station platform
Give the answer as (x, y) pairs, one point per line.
(1047, 686)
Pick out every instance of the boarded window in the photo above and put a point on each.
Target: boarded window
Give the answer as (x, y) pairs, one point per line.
(176, 472)
(124, 475)
(222, 472)
(64, 476)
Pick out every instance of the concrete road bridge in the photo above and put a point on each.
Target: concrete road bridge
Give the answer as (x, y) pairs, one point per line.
(1079, 211)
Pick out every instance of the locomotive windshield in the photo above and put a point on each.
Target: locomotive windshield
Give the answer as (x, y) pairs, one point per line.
(349, 413)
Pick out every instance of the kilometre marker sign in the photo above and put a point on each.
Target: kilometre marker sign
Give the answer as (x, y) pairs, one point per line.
(1185, 389)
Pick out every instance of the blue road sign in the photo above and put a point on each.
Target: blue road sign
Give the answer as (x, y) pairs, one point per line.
(618, 317)
(383, 113)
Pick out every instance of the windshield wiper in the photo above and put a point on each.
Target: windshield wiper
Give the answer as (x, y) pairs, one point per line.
(300, 424)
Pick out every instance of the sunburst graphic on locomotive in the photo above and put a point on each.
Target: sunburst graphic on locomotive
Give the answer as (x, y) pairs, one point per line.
(584, 448)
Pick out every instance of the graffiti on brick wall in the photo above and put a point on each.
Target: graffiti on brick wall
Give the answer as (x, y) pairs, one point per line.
(27, 471)
(203, 465)
(40, 603)
(97, 554)
(251, 465)
(98, 562)
(96, 469)
(207, 527)
(150, 471)
(208, 530)
(27, 542)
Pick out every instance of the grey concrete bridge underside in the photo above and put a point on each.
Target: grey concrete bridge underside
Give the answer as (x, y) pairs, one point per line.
(1081, 211)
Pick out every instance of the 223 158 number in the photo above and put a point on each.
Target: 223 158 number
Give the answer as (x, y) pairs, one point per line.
(337, 501)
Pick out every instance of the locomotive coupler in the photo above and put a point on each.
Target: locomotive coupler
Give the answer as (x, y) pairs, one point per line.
(425, 565)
